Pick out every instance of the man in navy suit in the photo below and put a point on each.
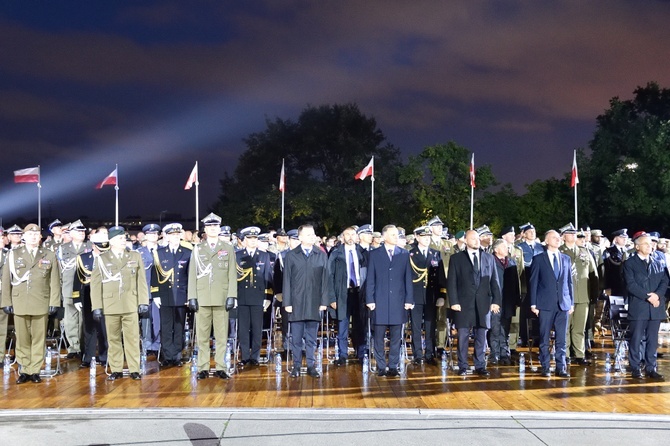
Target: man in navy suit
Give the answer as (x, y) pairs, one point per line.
(646, 283)
(474, 292)
(389, 295)
(552, 300)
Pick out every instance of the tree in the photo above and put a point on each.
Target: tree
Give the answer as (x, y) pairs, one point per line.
(322, 151)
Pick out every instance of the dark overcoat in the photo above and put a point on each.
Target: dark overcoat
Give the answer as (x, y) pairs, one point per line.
(305, 284)
(389, 286)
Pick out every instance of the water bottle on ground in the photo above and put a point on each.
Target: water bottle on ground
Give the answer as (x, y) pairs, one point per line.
(92, 372)
(194, 362)
(187, 335)
(6, 368)
(444, 360)
(608, 363)
(277, 363)
(366, 363)
(522, 363)
(143, 362)
(47, 366)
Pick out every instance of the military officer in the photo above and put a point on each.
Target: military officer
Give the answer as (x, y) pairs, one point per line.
(225, 234)
(55, 235)
(446, 249)
(3, 316)
(31, 291)
(254, 294)
(67, 256)
(364, 233)
(613, 258)
(94, 341)
(212, 284)
(516, 254)
(584, 281)
(151, 325)
(169, 284)
(485, 238)
(14, 235)
(119, 292)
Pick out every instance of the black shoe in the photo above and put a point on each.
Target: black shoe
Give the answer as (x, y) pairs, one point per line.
(177, 363)
(313, 372)
(221, 374)
(431, 361)
(494, 361)
(417, 361)
(393, 372)
(135, 376)
(659, 355)
(242, 363)
(505, 361)
(569, 360)
(655, 375)
(583, 361)
(295, 373)
(563, 374)
(462, 372)
(35, 377)
(84, 365)
(545, 373)
(340, 361)
(382, 373)
(23, 378)
(203, 375)
(482, 372)
(254, 362)
(165, 363)
(588, 354)
(636, 374)
(114, 376)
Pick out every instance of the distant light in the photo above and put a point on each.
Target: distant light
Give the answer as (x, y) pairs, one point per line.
(631, 166)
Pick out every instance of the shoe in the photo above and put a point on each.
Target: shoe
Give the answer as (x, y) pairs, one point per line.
(382, 373)
(505, 361)
(494, 361)
(462, 372)
(431, 361)
(655, 375)
(177, 363)
(417, 361)
(311, 371)
(563, 374)
(35, 377)
(636, 374)
(135, 376)
(203, 375)
(295, 373)
(393, 372)
(165, 363)
(659, 355)
(254, 362)
(583, 361)
(114, 376)
(73, 355)
(23, 378)
(482, 372)
(242, 363)
(589, 354)
(569, 360)
(545, 373)
(221, 374)
(84, 365)
(340, 361)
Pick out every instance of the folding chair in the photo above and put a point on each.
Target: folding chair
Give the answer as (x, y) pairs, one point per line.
(56, 344)
(618, 314)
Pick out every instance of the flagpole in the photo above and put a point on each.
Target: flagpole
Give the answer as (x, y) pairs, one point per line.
(372, 196)
(575, 164)
(283, 191)
(472, 191)
(39, 197)
(116, 190)
(197, 198)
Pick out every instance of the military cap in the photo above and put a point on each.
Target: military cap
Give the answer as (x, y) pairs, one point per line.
(525, 227)
(376, 234)
(620, 233)
(459, 235)
(225, 230)
(211, 219)
(654, 236)
(172, 228)
(364, 229)
(639, 234)
(445, 234)
(251, 231)
(507, 230)
(596, 232)
(293, 234)
(265, 237)
(401, 233)
(65, 228)
(435, 221)
(77, 225)
(54, 224)
(116, 231)
(568, 229)
(151, 228)
(280, 233)
(16, 229)
(31, 227)
(581, 234)
(2, 230)
(423, 230)
(100, 240)
(483, 230)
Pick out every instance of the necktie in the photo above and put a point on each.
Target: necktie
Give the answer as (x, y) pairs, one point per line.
(475, 264)
(352, 270)
(307, 251)
(212, 245)
(556, 266)
(390, 254)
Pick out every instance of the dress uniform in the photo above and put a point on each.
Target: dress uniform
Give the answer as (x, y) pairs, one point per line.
(94, 341)
(14, 235)
(67, 256)
(446, 250)
(56, 238)
(3, 316)
(584, 281)
(212, 280)
(119, 291)
(169, 284)
(254, 295)
(151, 324)
(30, 290)
(614, 258)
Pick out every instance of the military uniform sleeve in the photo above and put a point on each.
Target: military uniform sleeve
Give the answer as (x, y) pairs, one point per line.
(232, 272)
(141, 280)
(192, 292)
(287, 291)
(6, 300)
(96, 286)
(55, 284)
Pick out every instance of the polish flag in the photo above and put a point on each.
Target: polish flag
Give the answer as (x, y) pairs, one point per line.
(193, 178)
(575, 178)
(367, 171)
(472, 171)
(30, 175)
(282, 178)
(110, 180)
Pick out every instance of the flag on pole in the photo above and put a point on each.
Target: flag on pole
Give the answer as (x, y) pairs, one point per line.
(575, 177)
(367, 171)
(110, 180)
(193, 178)
(30, 175)
(282, 179)
(472, 171)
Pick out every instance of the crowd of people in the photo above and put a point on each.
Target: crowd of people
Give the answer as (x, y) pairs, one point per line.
(119, 294)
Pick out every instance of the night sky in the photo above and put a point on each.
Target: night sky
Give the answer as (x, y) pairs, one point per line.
(155, 86)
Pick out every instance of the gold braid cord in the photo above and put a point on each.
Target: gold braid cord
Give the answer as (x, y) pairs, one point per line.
(163, 276)
(421, 273)
(83, 273)
(243, 273)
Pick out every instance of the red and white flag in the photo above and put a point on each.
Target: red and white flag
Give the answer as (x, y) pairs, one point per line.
(282, 178)
(575, 177)
(110, 180)
(30, 175)
(367, 171)
(472, 171)
(193, 178)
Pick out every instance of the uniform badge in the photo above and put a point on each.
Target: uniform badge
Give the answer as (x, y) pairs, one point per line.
(132, 264)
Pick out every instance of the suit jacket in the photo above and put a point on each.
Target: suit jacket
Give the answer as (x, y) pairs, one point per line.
(338, 277)
(546, 292)
(169, 275)
(510, 286)
(118, 285)
(641, 280)
(31, 286)
(613, 260)
(474, 298)
(425, 276)
(305, 284)
(529, 252)
(254, 277)
(212, 274)
(389, 285)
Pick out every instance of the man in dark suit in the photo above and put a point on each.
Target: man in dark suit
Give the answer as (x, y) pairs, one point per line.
(389, 294)
(552, 300)
(472, 285)
(646, 283)
(509, 282)
(613, 258)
